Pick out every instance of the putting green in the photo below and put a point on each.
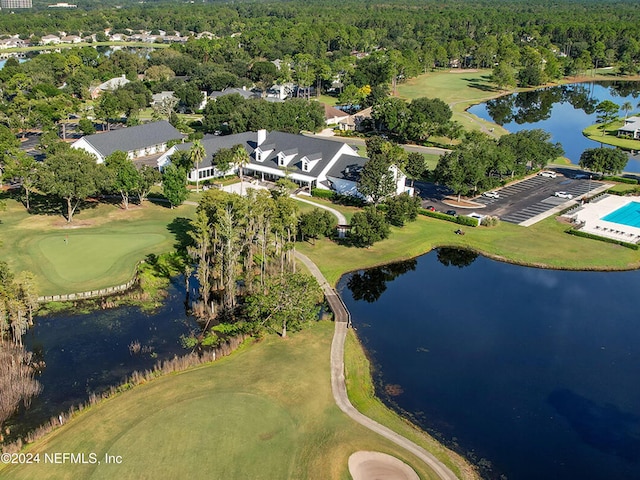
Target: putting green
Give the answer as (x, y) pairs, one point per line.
(84, 260)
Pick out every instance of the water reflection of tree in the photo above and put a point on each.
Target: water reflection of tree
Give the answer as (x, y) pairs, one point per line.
(536, 105)
(623, 89)
(455, 257)
(370, 284)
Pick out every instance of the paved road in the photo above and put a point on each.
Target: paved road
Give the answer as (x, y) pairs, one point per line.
(341, 218)
(339, 388)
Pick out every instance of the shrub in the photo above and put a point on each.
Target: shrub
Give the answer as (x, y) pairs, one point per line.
(466, 221)
(630, 181)
(490, 221)
(321, 193)
(460, 220)
(348, 200)
(580, 233)
(438, 215)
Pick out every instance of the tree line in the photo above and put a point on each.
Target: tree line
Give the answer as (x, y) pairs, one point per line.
(481, 162)
(18, 304)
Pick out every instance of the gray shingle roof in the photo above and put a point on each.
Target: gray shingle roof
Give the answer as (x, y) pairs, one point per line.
(307, 147)
(347, 167)
(312, 148)
(213, 143)
(133, 138)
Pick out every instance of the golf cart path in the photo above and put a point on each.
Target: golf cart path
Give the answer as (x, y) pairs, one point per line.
(342, 321)
(341, 218)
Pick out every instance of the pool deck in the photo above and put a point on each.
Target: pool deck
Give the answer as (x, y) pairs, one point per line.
(590, 215)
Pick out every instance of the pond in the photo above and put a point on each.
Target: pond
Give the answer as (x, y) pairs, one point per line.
(86, 353)
(563, 111)
(531, 373)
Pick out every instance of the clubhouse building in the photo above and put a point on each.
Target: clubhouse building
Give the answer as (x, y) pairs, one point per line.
(139, 141)
(308, 161)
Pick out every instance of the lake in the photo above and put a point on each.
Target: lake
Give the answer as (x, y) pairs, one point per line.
(563, 111)
(532, 373)
(90, 352)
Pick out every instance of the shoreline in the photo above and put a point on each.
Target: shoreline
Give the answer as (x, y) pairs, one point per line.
(492, 256)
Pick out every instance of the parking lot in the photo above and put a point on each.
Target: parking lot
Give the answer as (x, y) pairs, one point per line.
(522, 201)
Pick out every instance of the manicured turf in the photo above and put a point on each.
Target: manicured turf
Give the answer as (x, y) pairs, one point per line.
(67, 257)
(451, 86)
(544, 244)
(345, 210)
(100, 248)
(266, 412)
(459, 89)
(594, 132)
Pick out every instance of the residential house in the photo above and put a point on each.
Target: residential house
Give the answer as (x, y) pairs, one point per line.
(71, 39)
(108, 86)
(308, 161)
(280, 91)
(243, 92)
(332, 115)
(139, 141)
(50, 40)
(630, 128)
(355, 122)
(119, 37)
(12, 42)
(159, 98)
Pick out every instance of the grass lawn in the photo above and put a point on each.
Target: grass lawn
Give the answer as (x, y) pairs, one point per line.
(345, 210)
(625, 188)
(610, 137)
(266, 412)
(100, 248)
(544, 244)
(459, 89)
(431, 160)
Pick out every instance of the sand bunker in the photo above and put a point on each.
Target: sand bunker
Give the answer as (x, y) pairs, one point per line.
(379, 466)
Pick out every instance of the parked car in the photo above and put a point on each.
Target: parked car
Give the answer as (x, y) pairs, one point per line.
(563, 195)
(491, 194)
(431, 208)
(547, 173)
(452, 213)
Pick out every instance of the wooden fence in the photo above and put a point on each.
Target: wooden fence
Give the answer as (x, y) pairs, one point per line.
(102, 292)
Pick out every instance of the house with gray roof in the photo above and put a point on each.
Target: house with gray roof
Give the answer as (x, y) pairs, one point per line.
(631, 128)
(243, 92)
(109, 86)
(309, 161)
(139, 141)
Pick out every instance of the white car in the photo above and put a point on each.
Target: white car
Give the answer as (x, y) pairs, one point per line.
(492, 194)
(563, 195)
(547, 173)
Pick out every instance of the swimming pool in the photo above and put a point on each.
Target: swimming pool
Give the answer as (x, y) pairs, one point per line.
(627, 215)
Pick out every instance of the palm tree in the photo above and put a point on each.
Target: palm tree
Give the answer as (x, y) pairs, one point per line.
(241, 159)
(196, 155)
(626, 108)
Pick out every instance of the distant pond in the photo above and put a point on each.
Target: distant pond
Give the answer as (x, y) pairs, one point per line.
(90, 352)
(532, 373)
(563, 111)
